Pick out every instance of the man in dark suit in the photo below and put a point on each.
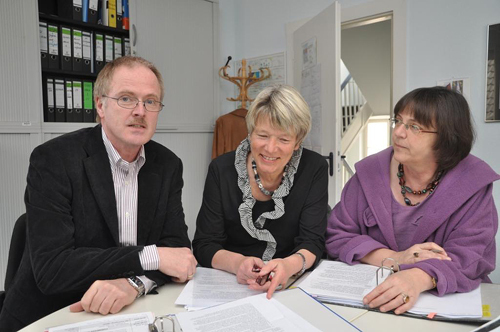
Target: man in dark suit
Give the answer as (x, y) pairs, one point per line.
(105, 222)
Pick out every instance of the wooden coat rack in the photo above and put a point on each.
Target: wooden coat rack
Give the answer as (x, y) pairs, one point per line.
(243, 81)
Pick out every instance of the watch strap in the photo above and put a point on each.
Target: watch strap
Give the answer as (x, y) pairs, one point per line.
(138, 285)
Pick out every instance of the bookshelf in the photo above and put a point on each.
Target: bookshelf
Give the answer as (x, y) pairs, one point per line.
(72, 52)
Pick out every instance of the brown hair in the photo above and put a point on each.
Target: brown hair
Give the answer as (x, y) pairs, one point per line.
(103, 81)
(448, 112)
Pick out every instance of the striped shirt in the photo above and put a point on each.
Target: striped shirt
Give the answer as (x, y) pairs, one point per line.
(125, 180)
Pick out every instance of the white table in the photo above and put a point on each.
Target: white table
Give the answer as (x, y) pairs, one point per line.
(163, 303)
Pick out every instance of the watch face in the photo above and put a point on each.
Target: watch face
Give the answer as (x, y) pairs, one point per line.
(138, 285)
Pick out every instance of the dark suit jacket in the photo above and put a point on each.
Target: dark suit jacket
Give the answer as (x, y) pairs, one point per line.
(72, 223)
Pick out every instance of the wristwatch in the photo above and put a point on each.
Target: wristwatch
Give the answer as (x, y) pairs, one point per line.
(138, 285)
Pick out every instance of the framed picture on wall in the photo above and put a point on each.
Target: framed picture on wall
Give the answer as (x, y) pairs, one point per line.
(493, 74)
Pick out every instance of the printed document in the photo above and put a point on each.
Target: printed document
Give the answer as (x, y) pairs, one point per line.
(113, 323)
(211, 287)
(337, 282)
(254, 313)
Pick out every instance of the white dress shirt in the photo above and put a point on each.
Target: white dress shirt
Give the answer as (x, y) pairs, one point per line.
(125, 180)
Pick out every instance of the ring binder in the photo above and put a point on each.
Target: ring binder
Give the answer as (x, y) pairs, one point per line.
(383, 267)
(153, 327)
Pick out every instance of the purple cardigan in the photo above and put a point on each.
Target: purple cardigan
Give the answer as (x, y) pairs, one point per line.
(460, 216)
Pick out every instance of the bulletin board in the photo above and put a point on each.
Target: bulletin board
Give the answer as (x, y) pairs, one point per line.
(275, 62)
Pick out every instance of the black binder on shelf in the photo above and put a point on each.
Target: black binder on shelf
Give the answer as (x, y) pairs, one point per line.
(66, 48)
(48, 7)
(44, 44)
(48, 100)
(117, 42)
(86, 52)
(77, 49)
(71, 9)
(126, 46)
(77, 101)
(53, 42)
(104, 12)
(119, 14)
(88, 102)
(60, 100)
(93, 11)
(69, 101)
(99, 51)
(108, 48)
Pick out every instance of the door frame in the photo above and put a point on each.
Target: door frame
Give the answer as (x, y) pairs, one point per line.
(369, 10)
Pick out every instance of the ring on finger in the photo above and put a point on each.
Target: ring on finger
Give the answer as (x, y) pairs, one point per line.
(415, 254)
(406, 298)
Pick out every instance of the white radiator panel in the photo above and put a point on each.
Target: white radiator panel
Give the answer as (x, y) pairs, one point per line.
(14, 157)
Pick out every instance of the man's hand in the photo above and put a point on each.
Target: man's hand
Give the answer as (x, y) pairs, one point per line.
(106, 296)
(179, 263)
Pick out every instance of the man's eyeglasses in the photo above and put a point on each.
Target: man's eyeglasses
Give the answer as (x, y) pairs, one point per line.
(395, 123)
(150, 105)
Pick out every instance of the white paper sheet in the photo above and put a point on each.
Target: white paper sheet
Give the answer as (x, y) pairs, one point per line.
(113, 323)
(211, 287)
(254, 313)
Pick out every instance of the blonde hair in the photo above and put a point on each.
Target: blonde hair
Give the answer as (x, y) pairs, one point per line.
(284, 107)
(103, 81)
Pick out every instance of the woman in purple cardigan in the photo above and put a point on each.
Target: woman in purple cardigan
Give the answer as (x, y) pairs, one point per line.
(425, 202)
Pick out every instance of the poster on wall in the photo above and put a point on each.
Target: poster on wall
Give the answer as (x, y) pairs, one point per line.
(309, 57)
(311, 92)
(275, 62)
(460, 85)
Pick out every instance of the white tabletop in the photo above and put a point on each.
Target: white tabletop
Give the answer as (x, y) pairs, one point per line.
(163, 303)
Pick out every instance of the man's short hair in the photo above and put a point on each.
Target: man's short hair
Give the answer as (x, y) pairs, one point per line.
(103, 81)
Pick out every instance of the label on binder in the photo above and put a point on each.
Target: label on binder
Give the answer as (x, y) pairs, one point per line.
(59, 86)
(69, 96)
(53, 43)
(50, 93)
(77, 96)
(86, 46)
(99, 47)
(126, 46)
(93, 4)
(118, 47)
(66, 41)
(109, 48)
(77, 44)
(42, 29)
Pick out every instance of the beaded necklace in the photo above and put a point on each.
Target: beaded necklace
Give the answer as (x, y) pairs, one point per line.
(404, 188)
(259, 183)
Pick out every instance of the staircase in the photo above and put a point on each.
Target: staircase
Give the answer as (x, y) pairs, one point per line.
(355, 114)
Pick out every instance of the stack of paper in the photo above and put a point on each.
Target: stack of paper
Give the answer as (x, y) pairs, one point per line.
(211, 287)
(114, 323)
(257, 313)
(340, 283)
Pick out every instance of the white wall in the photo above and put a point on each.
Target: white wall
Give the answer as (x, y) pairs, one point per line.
(250, 28)
(366, 51)
(447, 38)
